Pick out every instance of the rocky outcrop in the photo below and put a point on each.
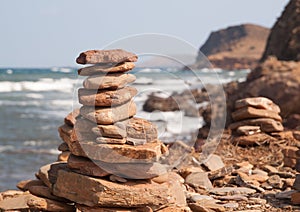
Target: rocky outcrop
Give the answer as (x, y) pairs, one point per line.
(284, 39)
(236, 47)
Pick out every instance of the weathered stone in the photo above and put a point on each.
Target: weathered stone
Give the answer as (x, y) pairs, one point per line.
(45, 192)
(70, 119)
(116, 130)
(106, 68)
(84, 208)
(206, 207)
(103, 193)
(174, 209)
(84, 125)
(265, 124)
(250, 113)
(284, 194)
(232, 197)
(213, 163)
(232, 191)
(85, 166)
(289, 162)
(227, 170)
(283, 174)
(295, 198)
(199, 179)
(149, 152)
(43, 175)
(106, 140)
(257, 102)
(140, 131)
(10, 194)
(114, 56)
(54, 168)
(275, 181)
(63, 156)
(187, 170)
(18, 203)
(63, 147)
(255, 139)
(104, 98)
(110, 115)
(290, 151)
(115, 178)
(25, 184)
(244, 166)
(108, 81)
(41, 204)
(65, 132)
(289, 182)
(248, 130)
(269, 168)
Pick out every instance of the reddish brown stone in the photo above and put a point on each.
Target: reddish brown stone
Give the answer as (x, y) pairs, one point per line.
(250, 113)
(106, 68)
(70, 119)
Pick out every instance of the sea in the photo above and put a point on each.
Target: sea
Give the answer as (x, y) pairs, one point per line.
(34, 102)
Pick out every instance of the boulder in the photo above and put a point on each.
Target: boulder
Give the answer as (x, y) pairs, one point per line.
(105, 68)
(108, 115)
(114, 56)
(108, 81)
(106, 97)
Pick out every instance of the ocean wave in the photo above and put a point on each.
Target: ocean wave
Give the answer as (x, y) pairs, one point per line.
(44, 84)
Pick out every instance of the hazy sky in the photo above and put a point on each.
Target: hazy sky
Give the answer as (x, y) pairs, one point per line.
(43, 33)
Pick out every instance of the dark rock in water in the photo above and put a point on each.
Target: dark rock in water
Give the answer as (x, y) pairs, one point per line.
(236, 47)
(284, 39)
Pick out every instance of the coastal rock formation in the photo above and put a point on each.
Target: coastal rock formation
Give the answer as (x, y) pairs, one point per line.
(284, 39)
(236, 47)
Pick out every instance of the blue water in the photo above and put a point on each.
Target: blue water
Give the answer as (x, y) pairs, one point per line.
(33, 103)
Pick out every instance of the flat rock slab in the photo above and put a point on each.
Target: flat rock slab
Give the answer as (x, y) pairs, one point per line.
(83, 208)
(106, 68)
(108, 115)
(107, 140)
(65, 132)
(214, 162)
(114, 56)
(199, 179)
(266, 125)
(103, 193)
(108, 81)
(44, 192)
(255, 139)
(116, 130)
(248, 130)
(232, 191)
(105, 98)
(70, 119)
(258, 102)
(150, 152)
(251, 112)
(25, 184)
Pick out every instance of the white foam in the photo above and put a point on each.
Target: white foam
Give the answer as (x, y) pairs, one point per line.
(44, 84)
(34, 96)
(143, 81)
(150, 70)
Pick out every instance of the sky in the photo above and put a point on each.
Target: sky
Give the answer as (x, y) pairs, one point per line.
(47, 33)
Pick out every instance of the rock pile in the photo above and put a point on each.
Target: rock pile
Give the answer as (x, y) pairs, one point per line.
(110, 160)
(253, 118)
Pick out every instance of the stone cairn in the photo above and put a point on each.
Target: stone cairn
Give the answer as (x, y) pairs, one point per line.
(110, 160)
(255, 118)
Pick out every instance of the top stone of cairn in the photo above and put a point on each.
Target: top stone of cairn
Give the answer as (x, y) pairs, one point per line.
(113, 56)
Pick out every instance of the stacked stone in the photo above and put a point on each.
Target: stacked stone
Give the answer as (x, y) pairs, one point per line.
(256, 117)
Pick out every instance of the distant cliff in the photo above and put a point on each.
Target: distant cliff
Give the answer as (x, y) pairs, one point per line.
(236, 47)
(284, 40)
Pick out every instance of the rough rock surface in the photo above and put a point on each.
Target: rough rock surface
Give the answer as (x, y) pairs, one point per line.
(106, 68)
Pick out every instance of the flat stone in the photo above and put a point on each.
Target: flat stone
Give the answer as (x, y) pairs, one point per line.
(65, 132)
(140, 131)
(213, 163)
(85, 166)
(77, 135)
(25, 184)
(63, 147)
(54, 168)
(63, 156)
(266, 124)
(116, 130)
(257, 102)
(84, 125)
(70, 119)
(108, 115)
(232, 191)
(104, 98)
(106, 68)
(269, 168)
(105, 140)
(42, 204)
(283, 174)
(199, 179)
(103, 193)
(290, 151)
(115, 178)
(206, 207)
(232, 198)
(255, 139)
(231, 205)
(108, 81)
(250, 113)
(187, 170)
(45, 192)
(44, 176)
(227, 170)
(10, 194)
(150, 152)
(114, 56)
(195, 197)
(284, 194)
(84, 208)
(17, 203)
(248, 130)
(244, 166)
(275, 181)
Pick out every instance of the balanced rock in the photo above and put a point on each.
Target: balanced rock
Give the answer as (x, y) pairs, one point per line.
(108, 81)
(106, 68)
(259, 103)
(100, 192)
(251, 112)
(108, 115)
(116, 130)
(106, 97)
(114, 56)
(70, 119)
(107, 140)
(65, 132)
(265, 124)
